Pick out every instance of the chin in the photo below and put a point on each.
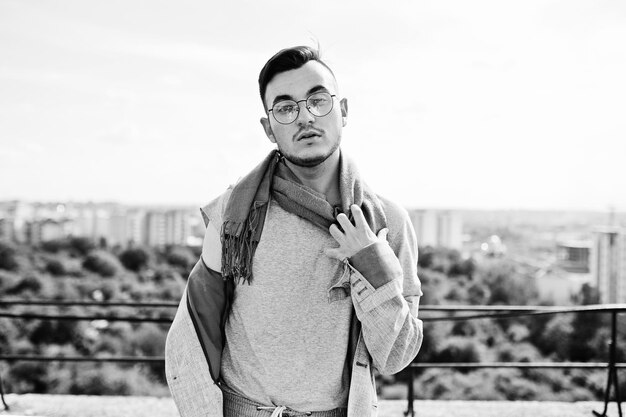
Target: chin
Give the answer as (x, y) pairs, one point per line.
(306, 161)
(309, 161)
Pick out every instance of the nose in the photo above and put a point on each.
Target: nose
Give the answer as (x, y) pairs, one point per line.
(304, 115)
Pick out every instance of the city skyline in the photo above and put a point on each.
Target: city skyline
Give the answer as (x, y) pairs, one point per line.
(452, 105)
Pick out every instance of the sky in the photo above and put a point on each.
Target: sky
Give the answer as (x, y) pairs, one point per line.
(485, 104)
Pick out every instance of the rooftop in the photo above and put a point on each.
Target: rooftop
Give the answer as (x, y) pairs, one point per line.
(104, 406)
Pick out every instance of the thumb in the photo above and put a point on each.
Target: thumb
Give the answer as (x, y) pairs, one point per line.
(383, 234)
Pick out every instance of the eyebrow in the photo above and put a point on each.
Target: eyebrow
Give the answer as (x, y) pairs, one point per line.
(312, 90)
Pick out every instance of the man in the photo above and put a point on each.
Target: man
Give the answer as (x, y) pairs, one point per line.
(307, 279)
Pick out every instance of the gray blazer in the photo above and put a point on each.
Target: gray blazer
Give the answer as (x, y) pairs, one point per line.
(386, 334)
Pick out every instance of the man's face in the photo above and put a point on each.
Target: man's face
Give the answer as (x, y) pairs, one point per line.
(309, 140)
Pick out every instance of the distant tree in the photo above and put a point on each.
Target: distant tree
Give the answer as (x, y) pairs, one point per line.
(31, 283)
(459, 349)
(556, 337)
(109, 379)
(148, 340)
(27, 377)
(586, 327)
(164, 273)
(507, 286)
(456, 294)
(59, 332)
(182, 257)
(588, 295)
(134, 259)
(55, 245)
(171, 289)
(55, 267)
(8, 257)
(516, 388)
(8, 334)
(425, 257)
(102, 263)
(463, 328)
(81, 245)
(433, 284)
(478, 293)
(463, 267)
(518, 352)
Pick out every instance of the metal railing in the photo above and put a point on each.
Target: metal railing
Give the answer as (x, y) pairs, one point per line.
(90, 317)
(503, 312)
(452, 314)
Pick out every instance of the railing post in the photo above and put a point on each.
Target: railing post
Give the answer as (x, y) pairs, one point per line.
(409, 409)
(6, 406)
(612, 371)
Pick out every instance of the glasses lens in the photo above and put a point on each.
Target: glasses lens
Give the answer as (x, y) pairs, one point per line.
(320, 104)
(285, 111)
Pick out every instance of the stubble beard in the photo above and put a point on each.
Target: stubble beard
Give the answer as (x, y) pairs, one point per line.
(311, 161)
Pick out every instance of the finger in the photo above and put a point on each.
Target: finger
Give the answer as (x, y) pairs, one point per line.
(333, 253)
(359, 218)
(383, 234)
(345, 222)
(336, 233)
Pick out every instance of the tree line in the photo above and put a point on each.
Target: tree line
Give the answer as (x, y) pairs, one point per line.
(79, 269)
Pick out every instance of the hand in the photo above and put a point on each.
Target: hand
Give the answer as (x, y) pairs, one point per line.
(354, 237)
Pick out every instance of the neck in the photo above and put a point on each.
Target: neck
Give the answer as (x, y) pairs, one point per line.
(323, 178)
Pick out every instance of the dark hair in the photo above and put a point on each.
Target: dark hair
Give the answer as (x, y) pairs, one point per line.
(286, 60)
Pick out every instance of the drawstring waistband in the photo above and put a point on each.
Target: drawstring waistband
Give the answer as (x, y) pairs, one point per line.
(278, 411)
(237, 406)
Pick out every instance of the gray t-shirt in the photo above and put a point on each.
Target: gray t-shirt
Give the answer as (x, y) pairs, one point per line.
(286, 342)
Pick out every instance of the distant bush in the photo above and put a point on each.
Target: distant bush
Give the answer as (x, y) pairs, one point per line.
(149, 340)
(171, 290)
(447, 384)
(27, 377)
(59, 332)
(54, 246)
(102, 263)
(77, 246)
(518, 352)
(81, 245)
(166, 273)
(478, 293)
(516, 388)
(134, 259)
(425, 257)
(8, 257)
(31, 282)
(109, 379)
(459, 349)
(8, 333)
(507, 286)
(56, 267)
(557, 336)
(181, 257)
(463, 267)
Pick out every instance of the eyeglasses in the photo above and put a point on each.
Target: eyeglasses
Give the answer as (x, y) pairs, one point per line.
(287, 111)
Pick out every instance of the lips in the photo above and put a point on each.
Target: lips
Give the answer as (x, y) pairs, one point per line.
(308, 134)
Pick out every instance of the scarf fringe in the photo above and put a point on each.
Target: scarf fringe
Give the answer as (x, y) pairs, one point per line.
(239, 242)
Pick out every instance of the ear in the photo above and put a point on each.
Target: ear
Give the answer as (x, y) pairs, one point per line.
(265, 122)
(344, 110)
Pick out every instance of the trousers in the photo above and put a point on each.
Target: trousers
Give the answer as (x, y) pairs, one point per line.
(237, 406)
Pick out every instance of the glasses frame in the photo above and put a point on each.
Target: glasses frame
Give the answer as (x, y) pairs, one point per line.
(332, 105)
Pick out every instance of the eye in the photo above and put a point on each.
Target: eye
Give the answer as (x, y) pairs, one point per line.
(318, 100)
(285, 108)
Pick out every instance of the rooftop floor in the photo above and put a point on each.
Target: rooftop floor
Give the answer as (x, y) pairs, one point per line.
(95, 406)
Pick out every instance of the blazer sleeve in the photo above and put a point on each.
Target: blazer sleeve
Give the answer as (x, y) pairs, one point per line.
(385, 291)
